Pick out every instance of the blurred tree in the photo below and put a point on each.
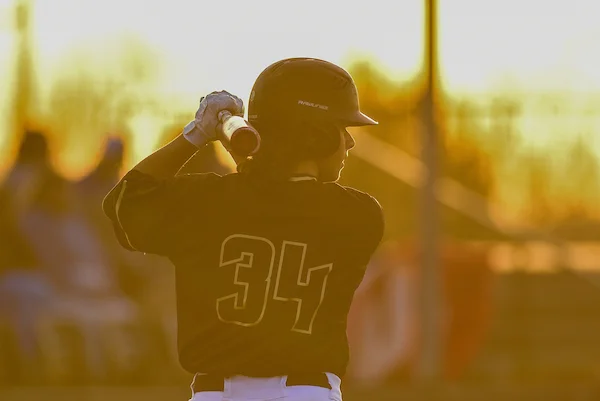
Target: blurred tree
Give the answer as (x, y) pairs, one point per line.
(93, 97)
(395, 105)
(538, 192)
(483, 149)
(581, 180)
(464, 157)
(23, 109)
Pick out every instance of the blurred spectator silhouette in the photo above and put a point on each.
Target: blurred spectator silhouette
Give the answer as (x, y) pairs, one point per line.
(60, 272)
(63, 242)
(96, 185)
(32, 161)
(90, 192)
(86, 293)
(24, 289)
(74, 300)
(146, 279)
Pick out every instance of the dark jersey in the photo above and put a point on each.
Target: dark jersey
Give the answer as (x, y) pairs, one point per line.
(265, 274)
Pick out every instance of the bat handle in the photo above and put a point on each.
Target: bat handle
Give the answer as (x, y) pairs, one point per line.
(238, 135)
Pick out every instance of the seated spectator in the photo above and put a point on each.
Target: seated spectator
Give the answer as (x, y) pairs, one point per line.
(32, 160)
(71, 257)
(24, 292)
(143, 278)
(63, 242)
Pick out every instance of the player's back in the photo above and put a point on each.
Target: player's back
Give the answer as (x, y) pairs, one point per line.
(265, 272)
(265, 278)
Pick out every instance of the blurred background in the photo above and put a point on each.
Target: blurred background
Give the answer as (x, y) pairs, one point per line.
(486, 161)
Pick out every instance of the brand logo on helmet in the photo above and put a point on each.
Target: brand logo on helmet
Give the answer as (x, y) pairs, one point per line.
(315, 105)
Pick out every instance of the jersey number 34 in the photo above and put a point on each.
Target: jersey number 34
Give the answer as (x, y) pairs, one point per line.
(255, 271)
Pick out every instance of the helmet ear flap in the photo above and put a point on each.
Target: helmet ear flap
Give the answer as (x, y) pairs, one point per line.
(307, 139)
(320, 140)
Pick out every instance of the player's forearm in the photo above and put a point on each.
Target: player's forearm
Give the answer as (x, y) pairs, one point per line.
(168, 160)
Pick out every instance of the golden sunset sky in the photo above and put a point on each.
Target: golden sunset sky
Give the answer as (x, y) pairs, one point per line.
(487, 47)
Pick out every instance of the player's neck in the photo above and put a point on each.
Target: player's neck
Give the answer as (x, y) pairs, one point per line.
(307, 168)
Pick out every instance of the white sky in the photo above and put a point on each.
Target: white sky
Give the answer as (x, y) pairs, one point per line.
(485, 46)
(481, 41)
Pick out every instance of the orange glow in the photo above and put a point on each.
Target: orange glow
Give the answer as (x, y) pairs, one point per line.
(179, 50)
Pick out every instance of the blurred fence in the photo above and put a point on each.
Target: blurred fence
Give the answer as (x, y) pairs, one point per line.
(521, 310)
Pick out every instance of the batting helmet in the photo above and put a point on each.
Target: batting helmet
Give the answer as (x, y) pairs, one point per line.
(306, 91)
(306, 88)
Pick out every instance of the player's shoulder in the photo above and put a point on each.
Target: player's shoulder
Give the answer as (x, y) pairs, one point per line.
(365, 210)
(358, 198)
(356, 195)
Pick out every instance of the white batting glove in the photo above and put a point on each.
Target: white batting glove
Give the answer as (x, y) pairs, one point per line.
(206, 126)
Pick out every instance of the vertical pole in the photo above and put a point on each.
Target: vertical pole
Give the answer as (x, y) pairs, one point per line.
(24, 82)
(429, 364)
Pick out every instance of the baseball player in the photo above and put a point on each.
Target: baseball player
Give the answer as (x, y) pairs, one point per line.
(267, 259)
